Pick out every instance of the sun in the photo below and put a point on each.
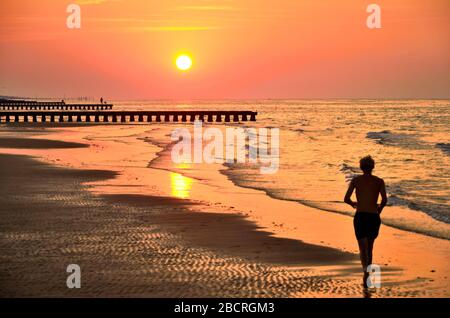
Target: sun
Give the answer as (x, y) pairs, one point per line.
(184, 62)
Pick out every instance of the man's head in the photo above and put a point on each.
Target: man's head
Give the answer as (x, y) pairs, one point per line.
(367, 164)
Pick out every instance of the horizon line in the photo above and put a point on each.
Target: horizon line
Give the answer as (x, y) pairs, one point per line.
(231, 99)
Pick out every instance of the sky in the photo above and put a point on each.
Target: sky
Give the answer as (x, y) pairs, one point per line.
(241, 49)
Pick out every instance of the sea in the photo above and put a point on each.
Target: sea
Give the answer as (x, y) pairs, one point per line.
(321, 142)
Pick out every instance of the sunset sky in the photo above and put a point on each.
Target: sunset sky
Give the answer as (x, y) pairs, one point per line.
(241, 49)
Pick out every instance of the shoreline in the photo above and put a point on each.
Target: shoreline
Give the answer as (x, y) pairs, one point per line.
(435, 228)
(402, 227)
(309, 216)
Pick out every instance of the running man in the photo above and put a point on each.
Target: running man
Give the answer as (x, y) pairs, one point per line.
(367, 217)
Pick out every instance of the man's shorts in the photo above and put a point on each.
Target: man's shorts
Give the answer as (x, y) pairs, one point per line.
(366, 225)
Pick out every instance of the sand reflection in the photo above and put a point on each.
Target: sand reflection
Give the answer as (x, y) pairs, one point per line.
(180, 185)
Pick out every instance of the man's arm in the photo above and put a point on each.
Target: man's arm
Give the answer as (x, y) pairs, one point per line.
(383, 197)
(349, 193)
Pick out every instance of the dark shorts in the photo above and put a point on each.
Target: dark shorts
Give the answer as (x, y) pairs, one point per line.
(366, 225)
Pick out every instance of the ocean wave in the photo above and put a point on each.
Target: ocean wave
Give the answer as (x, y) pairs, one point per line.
(384, 137)
(398, 196)
(398, 192)
(444, 147)
(388, 138)
(349, 171)
(235, 174)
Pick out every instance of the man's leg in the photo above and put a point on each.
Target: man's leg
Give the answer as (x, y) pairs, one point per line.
(370, 243)
(363, 254)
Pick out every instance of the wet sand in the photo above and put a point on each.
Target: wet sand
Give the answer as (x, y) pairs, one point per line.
(24, 143)
(135, 241)
(137, 245)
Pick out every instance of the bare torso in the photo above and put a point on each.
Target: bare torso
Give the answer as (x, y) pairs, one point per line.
(367, 188)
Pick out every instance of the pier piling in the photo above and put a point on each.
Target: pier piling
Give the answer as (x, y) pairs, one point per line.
(125, 116)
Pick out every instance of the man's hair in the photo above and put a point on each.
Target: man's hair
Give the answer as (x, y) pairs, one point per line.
(367, 164)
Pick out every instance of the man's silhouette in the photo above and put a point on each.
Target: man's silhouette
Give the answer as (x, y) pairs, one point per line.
(367, 217)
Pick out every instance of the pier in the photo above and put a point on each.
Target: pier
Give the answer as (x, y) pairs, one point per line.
(32, 105)
(124, 116)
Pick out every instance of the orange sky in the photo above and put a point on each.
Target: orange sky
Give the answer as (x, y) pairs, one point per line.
(241, 49)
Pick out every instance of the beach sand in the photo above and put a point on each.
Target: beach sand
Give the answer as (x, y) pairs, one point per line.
(104, 198)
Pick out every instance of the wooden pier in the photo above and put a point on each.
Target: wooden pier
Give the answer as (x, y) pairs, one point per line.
(17, 101)
(51, 106)
(125, 116)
